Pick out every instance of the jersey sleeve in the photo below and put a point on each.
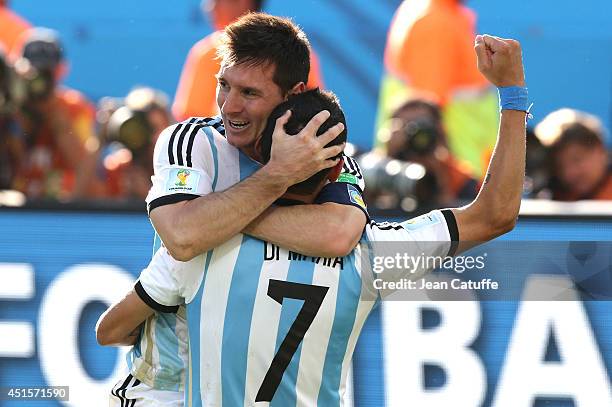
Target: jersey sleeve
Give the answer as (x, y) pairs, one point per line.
(437, 231)
(343, 194)
(167, 283)
(158, 286)
(184, 162)
(407, 250)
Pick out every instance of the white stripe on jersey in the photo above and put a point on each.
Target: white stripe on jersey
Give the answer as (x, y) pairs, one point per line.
(262, 341)
(346, 394)
(154, 345)
(214, 302)
(315, 342)
(363, 310)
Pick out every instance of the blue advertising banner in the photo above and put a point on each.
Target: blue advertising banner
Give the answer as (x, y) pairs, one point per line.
(60, 270)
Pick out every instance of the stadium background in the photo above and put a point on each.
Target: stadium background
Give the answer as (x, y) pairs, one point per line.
(66, 264)
(114, 45)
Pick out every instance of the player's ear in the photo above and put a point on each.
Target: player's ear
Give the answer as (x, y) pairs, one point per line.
(336, 170)
(298, 88)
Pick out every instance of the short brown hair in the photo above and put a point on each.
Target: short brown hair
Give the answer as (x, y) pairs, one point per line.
(259, 38)
(304, 106)
(565, 127)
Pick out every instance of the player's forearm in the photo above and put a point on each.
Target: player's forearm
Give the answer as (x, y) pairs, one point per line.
(120, 324)
(499, 199)
(326, 230)
(130, 339)
(191, 228)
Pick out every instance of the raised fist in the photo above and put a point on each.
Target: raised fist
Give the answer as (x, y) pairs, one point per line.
(500, 60)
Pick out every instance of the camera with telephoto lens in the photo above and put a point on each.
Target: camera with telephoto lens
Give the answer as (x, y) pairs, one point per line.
(8, 96)
(420, 139)
(37, 68)
(39, 85)
(397, 185)
(132, 129)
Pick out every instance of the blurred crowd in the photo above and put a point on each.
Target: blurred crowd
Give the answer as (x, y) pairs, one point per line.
(435, 131)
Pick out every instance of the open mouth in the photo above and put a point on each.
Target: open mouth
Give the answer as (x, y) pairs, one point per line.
(238, 125)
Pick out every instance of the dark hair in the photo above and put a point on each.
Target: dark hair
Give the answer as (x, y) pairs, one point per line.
(577, 133)
(304, 106)
(43, 48)
(412, 104)
(259, 38)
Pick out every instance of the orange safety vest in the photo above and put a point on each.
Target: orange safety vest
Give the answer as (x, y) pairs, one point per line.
(431, 48)
(11, 28)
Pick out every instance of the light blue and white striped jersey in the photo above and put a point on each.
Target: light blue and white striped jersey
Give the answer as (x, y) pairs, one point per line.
(161, 355)
(271, 326)
(191, 159)
(186, 165)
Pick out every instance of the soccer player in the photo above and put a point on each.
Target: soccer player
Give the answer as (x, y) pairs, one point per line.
(195, 206)
(249, 342)
(195, 94)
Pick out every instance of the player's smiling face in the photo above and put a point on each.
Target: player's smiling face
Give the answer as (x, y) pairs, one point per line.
(246, 95)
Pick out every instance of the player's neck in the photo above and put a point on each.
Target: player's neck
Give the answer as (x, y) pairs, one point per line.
(252, 153)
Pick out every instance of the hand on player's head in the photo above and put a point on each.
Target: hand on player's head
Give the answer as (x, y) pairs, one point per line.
(305, 135)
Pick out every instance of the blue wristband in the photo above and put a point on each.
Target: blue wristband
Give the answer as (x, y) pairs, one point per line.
(513, 98)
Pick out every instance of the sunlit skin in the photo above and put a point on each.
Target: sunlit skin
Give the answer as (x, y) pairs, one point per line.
(246, 95)
(580, 168)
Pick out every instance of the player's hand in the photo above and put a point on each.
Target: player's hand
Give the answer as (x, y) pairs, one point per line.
(500, 60)
(296, 158)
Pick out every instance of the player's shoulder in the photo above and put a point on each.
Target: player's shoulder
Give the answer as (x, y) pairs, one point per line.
(181, 142)
(192, 130)
(351, 173)
(197, 123)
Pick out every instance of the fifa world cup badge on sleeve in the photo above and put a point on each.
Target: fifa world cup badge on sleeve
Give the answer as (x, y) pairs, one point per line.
(355, 196)
(183, 180)
(420, 221)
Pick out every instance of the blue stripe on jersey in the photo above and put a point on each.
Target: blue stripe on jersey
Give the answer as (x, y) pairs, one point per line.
(168, 351)
(247, 165)
(156, 243)
(193, 324)
(215, 155)
(134, 353)
(347, 301)
(237, 322)
(299, 272)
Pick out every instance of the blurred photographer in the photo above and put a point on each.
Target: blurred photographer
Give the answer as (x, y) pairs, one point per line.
(131, 132)
(417, 152)
(580, 165)
(11, 146)
(57, 123)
